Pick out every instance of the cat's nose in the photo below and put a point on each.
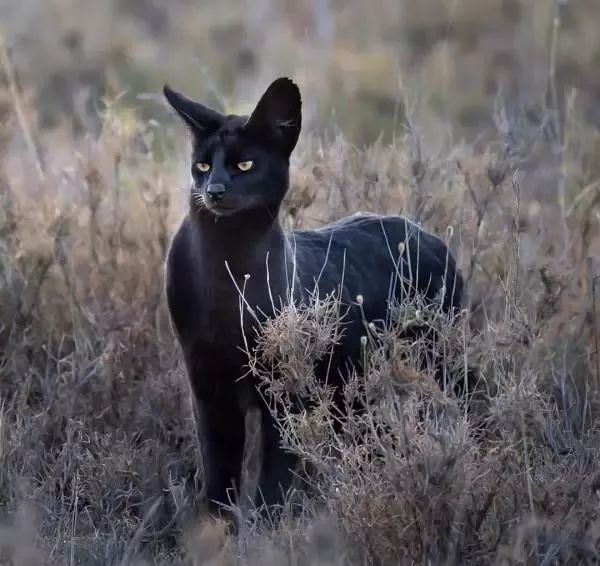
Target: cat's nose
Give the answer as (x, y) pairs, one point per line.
(215, 191)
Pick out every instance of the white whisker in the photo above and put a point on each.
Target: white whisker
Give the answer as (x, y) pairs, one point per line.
(198, 200)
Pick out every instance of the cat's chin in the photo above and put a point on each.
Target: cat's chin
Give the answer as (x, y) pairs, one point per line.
(258, 214)
(222, 211)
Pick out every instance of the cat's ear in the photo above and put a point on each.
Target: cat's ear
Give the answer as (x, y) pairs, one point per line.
(278, 114)
(201, 120)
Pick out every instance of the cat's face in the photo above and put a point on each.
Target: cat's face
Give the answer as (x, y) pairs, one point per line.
(240, 164)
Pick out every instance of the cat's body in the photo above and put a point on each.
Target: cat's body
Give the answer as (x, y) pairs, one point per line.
(231, 244)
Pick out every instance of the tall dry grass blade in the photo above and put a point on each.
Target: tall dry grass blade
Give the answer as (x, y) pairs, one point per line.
(33, 146)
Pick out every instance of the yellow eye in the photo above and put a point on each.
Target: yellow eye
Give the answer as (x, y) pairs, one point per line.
(204, 167)
(245, 165)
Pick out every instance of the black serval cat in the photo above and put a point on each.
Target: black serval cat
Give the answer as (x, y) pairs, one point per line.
(231, 239)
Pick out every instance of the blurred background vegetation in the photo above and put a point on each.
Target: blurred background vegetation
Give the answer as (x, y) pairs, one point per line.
(363, 66)
(524, 71)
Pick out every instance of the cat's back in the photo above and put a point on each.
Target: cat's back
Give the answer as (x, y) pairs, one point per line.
(363, 253)
(363, 237)
(357, 229)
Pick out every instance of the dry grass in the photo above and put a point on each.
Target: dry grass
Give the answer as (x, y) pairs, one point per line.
(98, 462)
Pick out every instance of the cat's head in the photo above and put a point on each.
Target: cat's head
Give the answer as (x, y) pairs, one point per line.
(239, 163)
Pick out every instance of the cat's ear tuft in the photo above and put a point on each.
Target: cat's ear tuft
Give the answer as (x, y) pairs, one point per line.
(201, 120)
(279, 114)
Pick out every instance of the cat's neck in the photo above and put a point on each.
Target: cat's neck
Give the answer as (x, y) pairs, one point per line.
(242, 239)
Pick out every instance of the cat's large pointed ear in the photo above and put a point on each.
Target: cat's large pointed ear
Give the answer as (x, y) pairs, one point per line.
(278, 115)
(201, 120)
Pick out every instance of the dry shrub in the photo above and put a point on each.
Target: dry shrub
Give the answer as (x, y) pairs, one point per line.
(294, 341)
(423, 475)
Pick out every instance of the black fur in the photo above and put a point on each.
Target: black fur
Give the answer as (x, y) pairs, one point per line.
(239, 239)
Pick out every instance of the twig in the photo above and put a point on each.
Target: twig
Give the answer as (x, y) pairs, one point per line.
(558, 129)
(517, 252)
(481, 208)
(595, 329)
(15, 91)
(116, 228)
(584, 192)
(136, 540)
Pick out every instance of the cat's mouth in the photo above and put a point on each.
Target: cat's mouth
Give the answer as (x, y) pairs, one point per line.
(219, 208)
(230, 205)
